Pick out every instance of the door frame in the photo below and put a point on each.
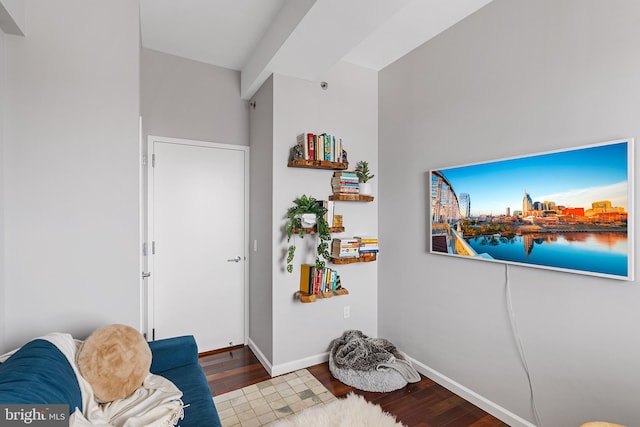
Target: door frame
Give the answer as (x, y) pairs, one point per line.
(147, 303)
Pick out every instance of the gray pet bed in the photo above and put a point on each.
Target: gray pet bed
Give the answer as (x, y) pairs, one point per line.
(369, 364)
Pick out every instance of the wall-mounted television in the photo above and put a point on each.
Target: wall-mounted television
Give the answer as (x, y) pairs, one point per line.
(569, 210)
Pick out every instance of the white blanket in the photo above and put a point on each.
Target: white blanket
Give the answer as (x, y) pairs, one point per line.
(157, 403)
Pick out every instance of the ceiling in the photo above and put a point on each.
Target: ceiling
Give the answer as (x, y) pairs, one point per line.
(299, 38)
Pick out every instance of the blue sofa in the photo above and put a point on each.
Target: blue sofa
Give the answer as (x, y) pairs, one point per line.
(39, 373)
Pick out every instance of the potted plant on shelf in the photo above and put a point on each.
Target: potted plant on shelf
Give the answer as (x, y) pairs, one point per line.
(305, 213)
(364, 175)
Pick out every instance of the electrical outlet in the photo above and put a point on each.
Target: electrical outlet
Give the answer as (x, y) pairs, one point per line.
(347, 312)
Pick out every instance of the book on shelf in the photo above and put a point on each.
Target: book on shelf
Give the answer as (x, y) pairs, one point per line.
(345, 248)
(306, 275)
(328, 146)
(344, 241)
(311, 146)
(329, 205)
(306, 139)
(339, 182)
(366, 239)
(317, 281)
(345, 190)
(321, 146)
(345, 182)
(367, 244)
(346, 175)
(302, 141)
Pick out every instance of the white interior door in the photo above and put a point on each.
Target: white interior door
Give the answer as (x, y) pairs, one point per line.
(198, 233)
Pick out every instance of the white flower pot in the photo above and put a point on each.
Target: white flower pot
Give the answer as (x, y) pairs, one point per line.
(366, 189)
(308, 220)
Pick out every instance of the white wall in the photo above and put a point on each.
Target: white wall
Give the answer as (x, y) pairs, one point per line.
(512, 79)
(3, 305)
(261, 260)
(182, 98)
(349, 109)
(71, 167)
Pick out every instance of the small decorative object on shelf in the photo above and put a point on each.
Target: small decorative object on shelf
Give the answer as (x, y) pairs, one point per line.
(364, 175)
(297, 152)
(307, 205)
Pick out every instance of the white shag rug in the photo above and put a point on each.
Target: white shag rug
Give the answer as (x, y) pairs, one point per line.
(352, 411)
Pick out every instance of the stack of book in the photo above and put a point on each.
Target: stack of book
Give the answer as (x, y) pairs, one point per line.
(345, 248)
(367, 246)
(314, 281)
(344, 182)
(321, 147)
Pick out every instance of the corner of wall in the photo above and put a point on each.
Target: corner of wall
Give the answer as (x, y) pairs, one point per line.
(261, 224)
(12, 17)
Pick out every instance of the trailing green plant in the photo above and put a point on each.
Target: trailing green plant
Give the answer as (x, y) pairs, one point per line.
(307, 205)
(363, 172)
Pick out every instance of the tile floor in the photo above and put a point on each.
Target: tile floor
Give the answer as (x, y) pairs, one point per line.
(263, 403)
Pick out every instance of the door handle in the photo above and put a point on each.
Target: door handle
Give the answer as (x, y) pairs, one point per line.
(236, 259)
(145, 274)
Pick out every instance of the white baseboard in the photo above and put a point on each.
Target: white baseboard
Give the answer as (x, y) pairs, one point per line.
(294, 365)
(260, 356)
(462, 391)
(471, 396)
(285, 368)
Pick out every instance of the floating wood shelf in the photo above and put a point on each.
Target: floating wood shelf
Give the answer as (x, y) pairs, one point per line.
(365, 258)
(305, 297)
(313, 230)
(317, 164)
(351, 198)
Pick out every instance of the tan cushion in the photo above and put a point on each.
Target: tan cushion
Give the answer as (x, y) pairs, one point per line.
(114, 360)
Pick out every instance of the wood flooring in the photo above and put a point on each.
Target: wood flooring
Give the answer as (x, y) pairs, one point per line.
(422, 404)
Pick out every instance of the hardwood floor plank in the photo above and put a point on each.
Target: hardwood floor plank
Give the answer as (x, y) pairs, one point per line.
(232, 370)
(422, 404)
